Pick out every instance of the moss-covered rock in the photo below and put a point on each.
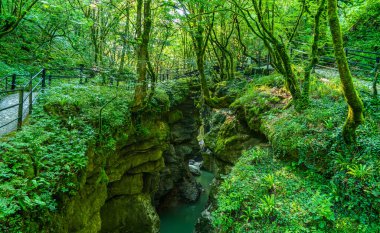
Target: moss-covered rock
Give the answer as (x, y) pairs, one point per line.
(129, 184)
(130, 214)
(227, 139)
(175, 116)
(117, 169)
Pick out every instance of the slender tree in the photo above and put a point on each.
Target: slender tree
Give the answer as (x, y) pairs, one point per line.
(196, 21)
(262, 24)
(314, 53)
(143, 27)
(355, 105)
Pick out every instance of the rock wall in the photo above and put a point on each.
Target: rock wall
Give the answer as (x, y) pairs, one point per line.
(121, 188)
(225, 141)
(177, 183)
(116, 191)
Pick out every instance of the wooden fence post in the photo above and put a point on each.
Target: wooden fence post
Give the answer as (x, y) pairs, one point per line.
(20, 108)
(81, 67)
(13, 85)
(43, 79)
(259, 58)
(30, 95)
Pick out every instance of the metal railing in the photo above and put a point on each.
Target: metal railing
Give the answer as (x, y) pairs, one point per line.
(361, 63)
(18, 99)
(19, 94)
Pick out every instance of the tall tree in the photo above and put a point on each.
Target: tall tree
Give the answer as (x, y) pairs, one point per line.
(200, 26)
(313, 61)
(262, 24)
(125, 36)
(221, 42)
(355, 104)
(143, 27)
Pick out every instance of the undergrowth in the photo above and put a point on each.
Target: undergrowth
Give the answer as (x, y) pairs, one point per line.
(265, 194)
(310, 181)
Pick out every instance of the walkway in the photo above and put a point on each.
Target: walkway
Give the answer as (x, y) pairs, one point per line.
(10, 115)
(333, 73)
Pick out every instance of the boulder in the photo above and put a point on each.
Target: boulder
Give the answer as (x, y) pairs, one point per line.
(190, 191)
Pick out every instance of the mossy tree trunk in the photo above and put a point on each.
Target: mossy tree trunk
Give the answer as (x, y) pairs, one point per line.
(142, 51)
(314, 54)
(125, 38)
(355, 104)
(200, 44)
(200, 30)
(220, 40)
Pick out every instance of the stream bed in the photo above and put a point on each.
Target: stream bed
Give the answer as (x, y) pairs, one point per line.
(183, 217)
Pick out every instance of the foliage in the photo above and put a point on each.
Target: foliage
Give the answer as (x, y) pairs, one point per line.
(175, 90)
(310, 180)
(362, 23)
(47, 160)
(48, 157)
(302, 202)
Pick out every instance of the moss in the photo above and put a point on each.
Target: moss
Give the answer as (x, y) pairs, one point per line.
(355, 104)
(260, 97)
(130, 214)
(151, 167)
(227, 138)
(132, 161)
(314, 179)
(129, 184)
(175, 116)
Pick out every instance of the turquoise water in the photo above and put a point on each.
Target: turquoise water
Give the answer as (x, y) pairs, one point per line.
(182, 218)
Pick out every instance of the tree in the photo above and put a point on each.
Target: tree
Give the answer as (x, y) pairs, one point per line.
(355, 105)
(103, 19)
(262, 25)
(221, 41)
(12, 12)
(314, 53)
(200, 25)
(143, 27)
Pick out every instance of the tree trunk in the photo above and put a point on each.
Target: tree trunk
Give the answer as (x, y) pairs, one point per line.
(314, 55)
(142, 52)
(201, 45)
(125, 41)
(355, 105)
(289, 74)
(202, 76)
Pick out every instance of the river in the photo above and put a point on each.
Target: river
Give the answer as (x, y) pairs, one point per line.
(183, 217)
